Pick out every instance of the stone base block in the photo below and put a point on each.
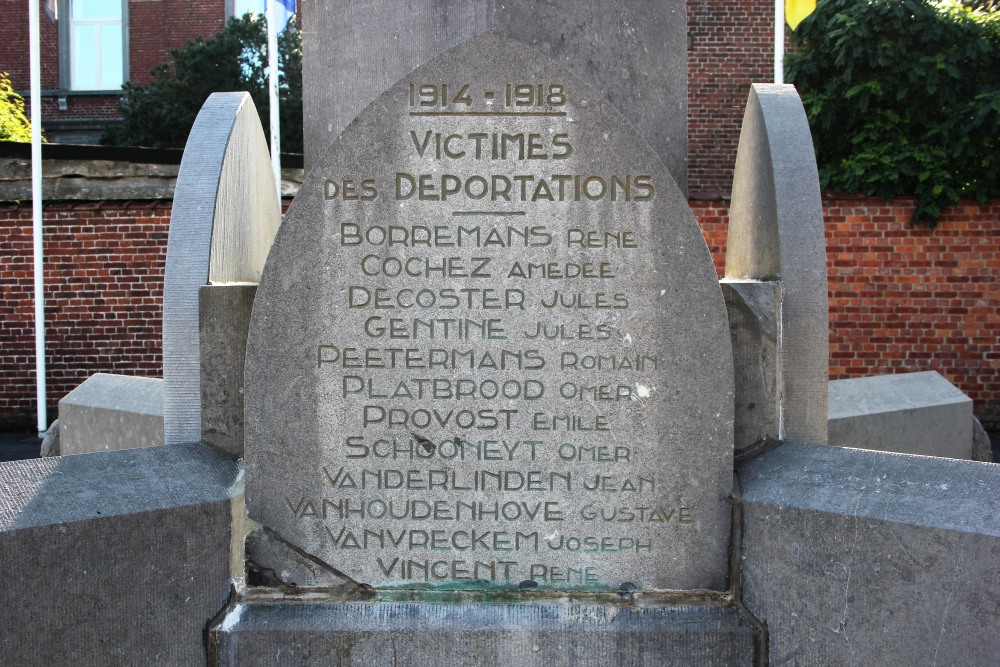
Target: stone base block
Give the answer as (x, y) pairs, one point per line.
(117, 558)
(516, 633)
(223, 319)
(855, 557)
(111, 412)
(911, 413)
(754, 309)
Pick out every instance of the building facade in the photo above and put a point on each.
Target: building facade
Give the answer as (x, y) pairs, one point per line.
(901, 299)
(95, 45)
(89, 48)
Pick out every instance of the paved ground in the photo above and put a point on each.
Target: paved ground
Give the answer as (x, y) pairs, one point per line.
(17, 446)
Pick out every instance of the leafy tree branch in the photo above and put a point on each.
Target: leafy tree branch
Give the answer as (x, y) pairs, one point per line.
(160, 114)
(903, 98)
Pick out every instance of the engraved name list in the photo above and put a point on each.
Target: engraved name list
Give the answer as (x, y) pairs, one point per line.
(484, 359)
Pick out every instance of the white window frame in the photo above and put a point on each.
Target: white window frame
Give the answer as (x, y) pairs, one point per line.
(66, 48)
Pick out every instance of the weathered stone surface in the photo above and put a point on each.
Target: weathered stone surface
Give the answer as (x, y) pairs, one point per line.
(651, 437)
(50, 443)
(856, 557)
(754, 314)
(776, 233)
(550, 634)
(224, 317)
(224, 217)
(911, 413)
(109, 412)
(982, 448)
(88, 180)
(633, 52)
(99, 180)
(272, 562)
(113, 558)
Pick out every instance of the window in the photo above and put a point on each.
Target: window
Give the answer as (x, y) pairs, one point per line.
(241, 7)
(92, 44)
(285, 9)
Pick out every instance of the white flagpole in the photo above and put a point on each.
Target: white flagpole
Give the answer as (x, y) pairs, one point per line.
(36, 210)
(779, 41)
(272, 75)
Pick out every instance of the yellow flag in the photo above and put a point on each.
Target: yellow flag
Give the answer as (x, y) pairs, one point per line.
(797, 10)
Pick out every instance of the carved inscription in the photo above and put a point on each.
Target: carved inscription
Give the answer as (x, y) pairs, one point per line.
(488, 349)
(488, 382)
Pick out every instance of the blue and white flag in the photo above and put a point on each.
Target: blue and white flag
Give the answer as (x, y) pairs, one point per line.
(284, 11)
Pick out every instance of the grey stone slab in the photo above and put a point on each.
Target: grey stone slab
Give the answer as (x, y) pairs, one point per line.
(224, 317)
(224, 217)
(109, 412)
(754, 316)
(113, 558)
(273, 563)
(352, 396)
(856, 557)
(776, 233)
(911, 413)
(415, 633)
(633, 52)
(88, 180)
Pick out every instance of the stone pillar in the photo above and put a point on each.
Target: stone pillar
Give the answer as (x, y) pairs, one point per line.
(776, 233)
(754, 319)
(224, 217)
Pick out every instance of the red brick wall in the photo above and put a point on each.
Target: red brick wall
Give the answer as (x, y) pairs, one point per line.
(154, 29)
(14, 45)
(101, 107)
(901, 299)
(731, 46)
(157, 27)
(103, 292)
(713, 216)
(904, 300)
(907, 299)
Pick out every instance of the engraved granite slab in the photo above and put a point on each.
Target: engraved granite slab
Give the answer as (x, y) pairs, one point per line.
(489, 347)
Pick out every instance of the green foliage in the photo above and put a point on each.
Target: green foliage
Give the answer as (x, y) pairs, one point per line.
(903, 98)
(14, 125)
(160, 114)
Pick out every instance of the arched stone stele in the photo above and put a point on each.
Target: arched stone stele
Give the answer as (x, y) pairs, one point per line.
(489, 301)
(225, 214)
(776, 233)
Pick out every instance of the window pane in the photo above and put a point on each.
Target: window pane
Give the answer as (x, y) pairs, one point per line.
(111, 56)
(96, 9)
(241, 7)
(83, 57)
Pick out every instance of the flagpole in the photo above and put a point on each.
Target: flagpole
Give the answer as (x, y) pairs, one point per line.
(779, 41)
(36, 210)
(272, 76)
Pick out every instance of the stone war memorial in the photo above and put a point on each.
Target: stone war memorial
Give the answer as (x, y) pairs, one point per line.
(489, 346)
(487, 402)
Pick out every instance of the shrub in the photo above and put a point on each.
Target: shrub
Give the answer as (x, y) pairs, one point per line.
(160, 114)
(14, 125)
(903, 98)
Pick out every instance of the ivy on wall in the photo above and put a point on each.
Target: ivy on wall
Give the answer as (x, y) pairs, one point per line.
(903, 98)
